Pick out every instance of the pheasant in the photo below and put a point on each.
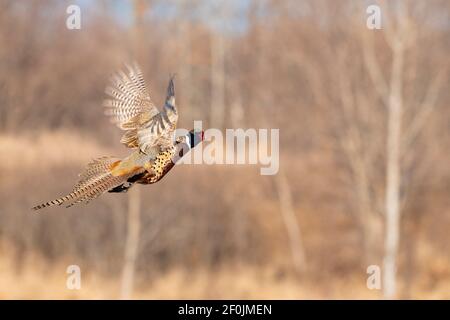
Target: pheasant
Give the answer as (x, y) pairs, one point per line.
(148, 131)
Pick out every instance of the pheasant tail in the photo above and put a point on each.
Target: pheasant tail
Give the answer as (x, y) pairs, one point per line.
(94, 181)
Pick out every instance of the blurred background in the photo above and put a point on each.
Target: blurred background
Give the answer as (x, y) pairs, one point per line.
(364, 174)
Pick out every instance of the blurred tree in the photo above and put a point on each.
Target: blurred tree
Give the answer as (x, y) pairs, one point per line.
(218, 70)
(134, 195)
(405, 120)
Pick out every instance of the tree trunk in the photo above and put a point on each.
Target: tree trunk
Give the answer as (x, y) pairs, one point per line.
(291, 223)
(393, 175)
(134, 195)
(132, 243)
(217, 79)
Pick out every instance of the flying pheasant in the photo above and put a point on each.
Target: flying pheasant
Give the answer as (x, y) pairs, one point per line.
(148, 131)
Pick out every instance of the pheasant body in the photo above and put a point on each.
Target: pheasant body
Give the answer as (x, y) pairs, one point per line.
(163, 162)
(160, 166)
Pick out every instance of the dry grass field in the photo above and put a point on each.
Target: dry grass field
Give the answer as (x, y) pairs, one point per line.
(363, 117)
(260, 269)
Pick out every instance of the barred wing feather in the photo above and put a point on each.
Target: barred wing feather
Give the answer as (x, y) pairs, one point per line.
(130, 105)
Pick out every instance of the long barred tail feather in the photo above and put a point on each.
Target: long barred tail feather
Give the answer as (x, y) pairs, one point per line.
(94, 181)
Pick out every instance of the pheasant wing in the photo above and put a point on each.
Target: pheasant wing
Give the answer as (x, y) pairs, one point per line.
(149, 133)
(129, 105)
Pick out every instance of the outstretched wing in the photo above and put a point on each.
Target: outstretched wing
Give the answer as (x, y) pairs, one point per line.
(130, 105)
(159, 131)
